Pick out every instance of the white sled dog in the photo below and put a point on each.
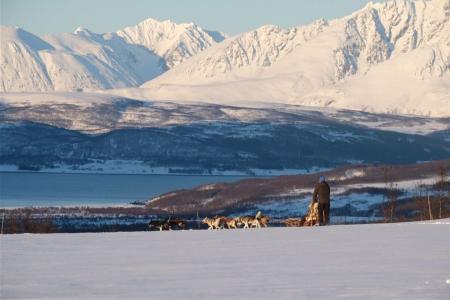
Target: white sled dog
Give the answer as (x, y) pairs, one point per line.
(247, 221)
(257, 221)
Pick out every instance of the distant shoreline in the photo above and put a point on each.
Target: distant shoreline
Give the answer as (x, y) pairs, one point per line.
(136, 174)
(115, 167)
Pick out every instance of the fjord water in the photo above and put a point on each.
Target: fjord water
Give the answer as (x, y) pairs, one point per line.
(19, 189)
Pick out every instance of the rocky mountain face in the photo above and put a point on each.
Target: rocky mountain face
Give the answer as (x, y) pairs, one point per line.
(86, 60)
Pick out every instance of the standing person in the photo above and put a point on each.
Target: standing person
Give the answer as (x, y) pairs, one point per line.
(322, 191)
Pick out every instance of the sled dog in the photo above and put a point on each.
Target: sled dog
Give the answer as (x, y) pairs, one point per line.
(247, 221)
(264, 220)
(294, 222)
(214, 223)
(231, 223)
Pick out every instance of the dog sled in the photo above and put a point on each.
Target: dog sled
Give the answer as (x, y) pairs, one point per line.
(166, 224)
(311, 219)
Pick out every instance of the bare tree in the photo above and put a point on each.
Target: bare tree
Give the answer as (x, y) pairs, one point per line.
(441, 183)
(390, 202)
(419, 196)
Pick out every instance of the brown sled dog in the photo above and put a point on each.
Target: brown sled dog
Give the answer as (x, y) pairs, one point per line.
(215, 223)
(231, 223)
(257, 221)
(262, 221)
(294, 222)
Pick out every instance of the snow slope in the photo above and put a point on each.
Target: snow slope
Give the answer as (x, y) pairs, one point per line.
(87, 60)
(385, 261)
(391, 57)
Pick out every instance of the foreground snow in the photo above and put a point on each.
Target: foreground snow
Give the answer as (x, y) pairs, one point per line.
(399, 261)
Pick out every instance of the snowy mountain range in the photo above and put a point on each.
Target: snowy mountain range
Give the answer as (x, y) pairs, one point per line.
(86, 60)
(389, 57)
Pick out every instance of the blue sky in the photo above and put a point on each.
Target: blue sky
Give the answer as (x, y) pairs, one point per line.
(230, 16)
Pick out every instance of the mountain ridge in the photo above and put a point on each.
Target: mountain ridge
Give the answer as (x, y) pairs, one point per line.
(84, 60)
(389, 57)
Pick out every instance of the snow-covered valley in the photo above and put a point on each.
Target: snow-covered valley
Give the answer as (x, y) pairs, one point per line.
(382, 261)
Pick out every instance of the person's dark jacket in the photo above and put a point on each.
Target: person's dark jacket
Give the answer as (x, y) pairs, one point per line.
(322, 192)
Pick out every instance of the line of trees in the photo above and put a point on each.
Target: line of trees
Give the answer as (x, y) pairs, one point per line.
(434, 205)
(430, 202)
(21, 223)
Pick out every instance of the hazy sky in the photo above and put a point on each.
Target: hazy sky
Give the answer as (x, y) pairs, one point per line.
(230, 16)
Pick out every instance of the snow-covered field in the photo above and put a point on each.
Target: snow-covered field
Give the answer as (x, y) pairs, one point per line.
(385, 261)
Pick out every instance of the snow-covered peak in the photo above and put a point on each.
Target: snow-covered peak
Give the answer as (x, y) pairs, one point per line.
(16, 35)
(82, 30)
(173, 42)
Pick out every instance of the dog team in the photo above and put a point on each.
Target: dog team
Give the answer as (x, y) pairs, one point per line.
(219, 222)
